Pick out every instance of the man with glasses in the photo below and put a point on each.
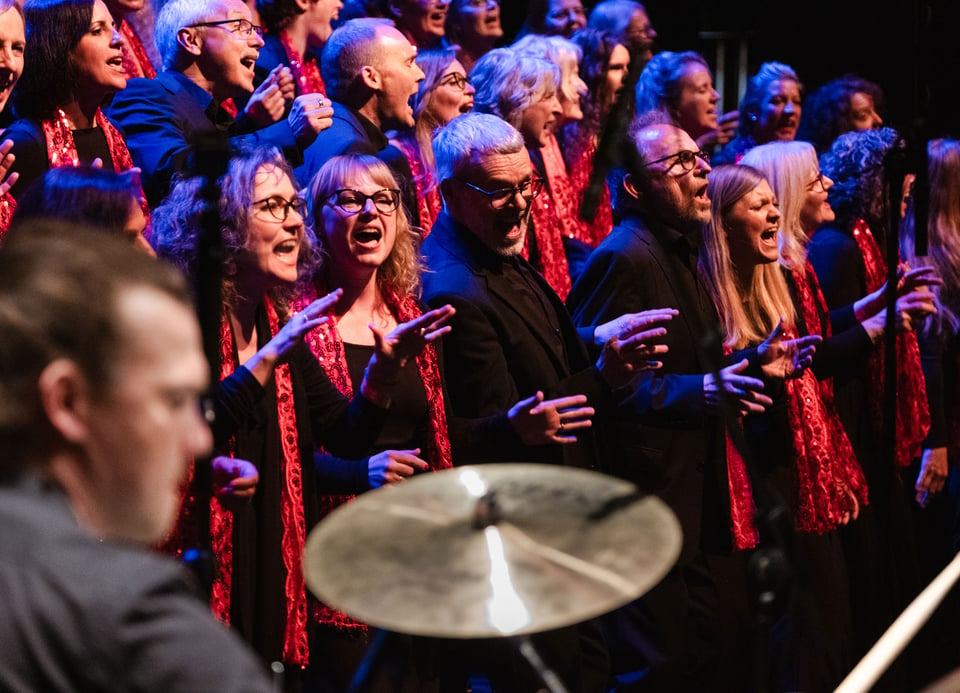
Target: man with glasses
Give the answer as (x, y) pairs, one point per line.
(209, 49)
(670, 436)
(512, 338)
(370, 71)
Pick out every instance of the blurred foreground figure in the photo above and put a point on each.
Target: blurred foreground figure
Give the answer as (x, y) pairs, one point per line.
(100, 371)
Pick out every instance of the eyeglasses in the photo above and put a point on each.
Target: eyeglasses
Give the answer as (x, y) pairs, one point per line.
(500, 197)
(353, 201)
(687, 159)
(241, 27)
(455, 80)
(817, 182)
(280, 209)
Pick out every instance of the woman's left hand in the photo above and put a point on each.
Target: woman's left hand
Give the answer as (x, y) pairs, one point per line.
(786, 358)
(7, 176)
(409, 338)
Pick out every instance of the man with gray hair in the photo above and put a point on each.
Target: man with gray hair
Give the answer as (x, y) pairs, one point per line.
(209, 49)
(512, 338)
(371, 72)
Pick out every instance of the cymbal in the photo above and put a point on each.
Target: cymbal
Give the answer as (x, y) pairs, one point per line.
(491, 550)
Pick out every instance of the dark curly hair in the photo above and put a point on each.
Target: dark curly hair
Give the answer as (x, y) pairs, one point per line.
(856, 163)
(827, 111)
(49, 80)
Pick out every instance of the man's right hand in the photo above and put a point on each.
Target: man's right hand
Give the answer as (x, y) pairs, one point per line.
(744, 392)
(309, 115)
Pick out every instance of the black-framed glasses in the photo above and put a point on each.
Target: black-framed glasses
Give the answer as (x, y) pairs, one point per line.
(241, 27)
(817, 182)
(455, 80)
(687, 159)
(279, 208)
(500, 197)
(353, 201)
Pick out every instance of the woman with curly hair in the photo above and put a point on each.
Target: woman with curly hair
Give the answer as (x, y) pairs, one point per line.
(839, 106)
(72, 64)
(770, 111)
(274, 403)
(679, 85)
(369, 250)
(444, 93)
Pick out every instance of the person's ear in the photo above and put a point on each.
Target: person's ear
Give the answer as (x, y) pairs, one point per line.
(305, 4)
(190, 40)
(371, 78)
(65, 398)
(630, 185)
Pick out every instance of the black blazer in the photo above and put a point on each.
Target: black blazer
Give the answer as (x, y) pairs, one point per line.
(670, 445)
(495, 355)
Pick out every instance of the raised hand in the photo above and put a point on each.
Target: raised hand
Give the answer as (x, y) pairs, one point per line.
(542, 422)
(310, 114)
(745, 392)
(933, 474)
(633, 346)
(267, 103)
(786, 358)
(631, 323)
(7, 158)
(393, 466)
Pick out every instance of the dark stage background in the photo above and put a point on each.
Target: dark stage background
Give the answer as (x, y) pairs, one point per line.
(910, 48)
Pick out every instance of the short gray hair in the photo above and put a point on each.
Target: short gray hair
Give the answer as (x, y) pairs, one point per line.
(350, 47)
(174, 16)
(468, 138)
(508, 82)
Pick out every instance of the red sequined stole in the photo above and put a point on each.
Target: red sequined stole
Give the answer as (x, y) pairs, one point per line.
(913, 413)
(295, 645)
(306, 73)
(552, 220)
(7, 207)
(827, 474)
(62, 149)
(429, 203)
(327, 346)
(136, 63)
(579, 158)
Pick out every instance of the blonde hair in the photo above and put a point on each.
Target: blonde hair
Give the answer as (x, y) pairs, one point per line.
(399, 275)
(787, 167)
(943, 229)
(749, 313)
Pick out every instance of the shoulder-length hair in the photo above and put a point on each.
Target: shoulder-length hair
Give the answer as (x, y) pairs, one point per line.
(399, 275)
(943, 231)
(597, 46)
(749, 313)
(789, 167)
(50, 78)
(434, 63)
(176, 222)
(508, 82)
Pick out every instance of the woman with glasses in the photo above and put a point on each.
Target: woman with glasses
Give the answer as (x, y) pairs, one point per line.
(852, 329)
(369, 251)
(274, 404)
(473, 26)
(443, 94)
(72, 64)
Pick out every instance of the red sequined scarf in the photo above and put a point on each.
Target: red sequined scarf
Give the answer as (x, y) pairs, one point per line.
(579, 157)
(913, 413)
(429, 203)
(327, 346)
(552, 220)
(62, 150)
(826, 470)
(306, 73)
(295, 645)
(136, 63)
(7, 207)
